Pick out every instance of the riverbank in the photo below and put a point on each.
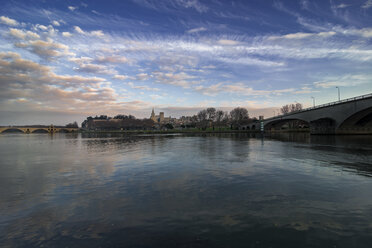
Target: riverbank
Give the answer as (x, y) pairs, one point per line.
(193, 131)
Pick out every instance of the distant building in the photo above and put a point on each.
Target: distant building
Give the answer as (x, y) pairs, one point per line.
(119, 124)
(161, 119)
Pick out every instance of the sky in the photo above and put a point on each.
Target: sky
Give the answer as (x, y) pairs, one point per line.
(61, 61)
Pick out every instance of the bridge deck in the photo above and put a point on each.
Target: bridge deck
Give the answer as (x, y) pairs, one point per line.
(352, 99)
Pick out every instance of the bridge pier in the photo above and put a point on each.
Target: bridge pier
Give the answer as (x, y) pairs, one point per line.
(323, 126)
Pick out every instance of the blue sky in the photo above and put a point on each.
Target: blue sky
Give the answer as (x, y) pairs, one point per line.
(64, 60)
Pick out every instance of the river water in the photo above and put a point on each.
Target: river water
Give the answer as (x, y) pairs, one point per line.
(224, 190)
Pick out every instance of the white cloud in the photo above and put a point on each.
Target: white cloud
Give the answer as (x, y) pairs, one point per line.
(238, 89)
(122, 77)
(304, 4)
(227, 42)
(56, 23)
(156, 97)
(195, 4)
(66, 34)
(35, 83)
(301, 35)
(47, 49)
(181, 79)
(142, 76)
(72, 8)
(196, 30)
(251, 61)
(20, 34)
(41, 27)
(8, 21)
(364, 32)
(97, 33)
(115, 59)
(85, 65)
(78, 30)
(347, 80)
(342, 6)
(367, 4)
(17, 33)
(142, 87)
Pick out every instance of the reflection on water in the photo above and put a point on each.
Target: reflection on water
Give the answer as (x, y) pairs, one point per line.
(213, 190)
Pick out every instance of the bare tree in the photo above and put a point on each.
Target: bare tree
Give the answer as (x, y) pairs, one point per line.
(203, 118)
(211, 112)
(219, 117)
(298, 106)
(238, 114)
(291, 108)
(285, 109)
(72, 125)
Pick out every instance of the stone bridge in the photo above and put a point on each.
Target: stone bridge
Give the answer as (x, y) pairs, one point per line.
(39, 129)
(349, 116)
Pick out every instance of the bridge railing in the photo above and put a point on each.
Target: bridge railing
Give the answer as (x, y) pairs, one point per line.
(323, 105)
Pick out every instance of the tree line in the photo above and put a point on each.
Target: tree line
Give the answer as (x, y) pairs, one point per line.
(212, 117)
(290, 108)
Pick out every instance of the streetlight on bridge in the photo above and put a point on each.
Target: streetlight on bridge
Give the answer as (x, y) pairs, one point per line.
(338, 89)
(313, 101)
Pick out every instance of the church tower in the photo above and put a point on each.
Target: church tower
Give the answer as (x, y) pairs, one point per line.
(153, 117)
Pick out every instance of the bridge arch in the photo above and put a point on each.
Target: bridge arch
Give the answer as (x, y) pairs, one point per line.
(279, 123)
(361, 119)
(12, 130)
(40, 130)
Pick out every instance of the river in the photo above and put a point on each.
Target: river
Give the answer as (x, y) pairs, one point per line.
(225, 190)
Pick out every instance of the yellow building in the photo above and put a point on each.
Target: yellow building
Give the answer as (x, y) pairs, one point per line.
(160, 118)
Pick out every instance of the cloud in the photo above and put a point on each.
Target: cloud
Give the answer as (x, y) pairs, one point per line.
(367, 4)
(211, 90)
(155, 97)
(301, 35)
(66, 34)
(94, 68)
(251, 61)
(45, 49)
(85, 65)
(97, 33)
(304, 4)
(72, 8)
(347, 80)
(8, 21)
(122, 77)
(227, 42)
(41, 27)
(115, 59)
(37, 85)
(173, 5)
(142, 76)
(196, 30)
(181, 79)
(342, 6)
(195, 4)
(78, 30)
(142, 87)
(364, 32)
(238, 89)
(20, 34)
(56, 23)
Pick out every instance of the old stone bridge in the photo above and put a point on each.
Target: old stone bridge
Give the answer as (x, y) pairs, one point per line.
(349, 116)
(38, 129)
